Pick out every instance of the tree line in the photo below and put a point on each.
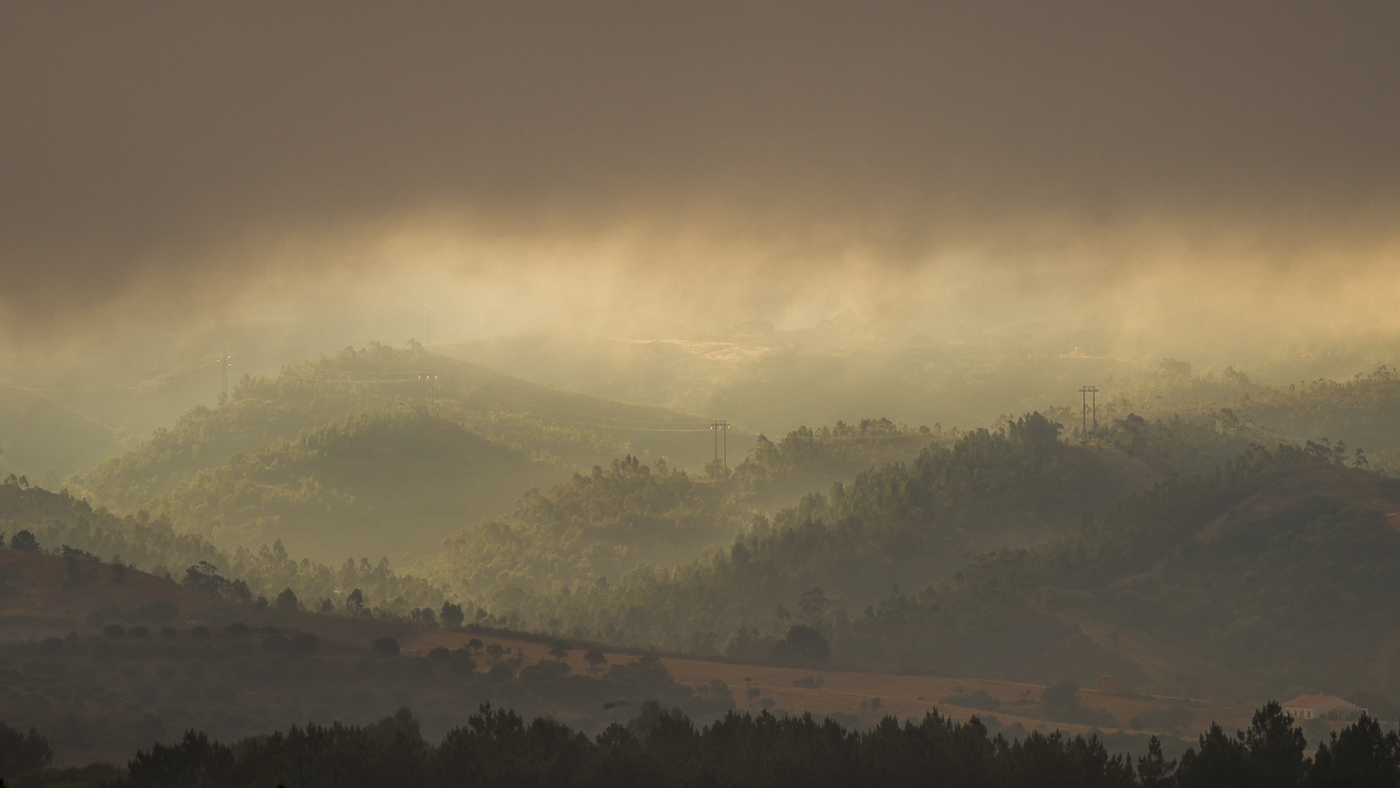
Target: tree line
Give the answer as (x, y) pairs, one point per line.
(663, 747)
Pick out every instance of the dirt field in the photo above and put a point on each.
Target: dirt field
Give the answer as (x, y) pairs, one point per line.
(40, 604)
(844, 692)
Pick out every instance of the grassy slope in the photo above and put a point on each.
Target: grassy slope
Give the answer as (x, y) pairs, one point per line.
(101, 698)
(544, 423)
(1223, 586)
(380, 483)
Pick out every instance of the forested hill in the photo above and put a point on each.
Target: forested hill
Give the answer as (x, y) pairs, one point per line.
(1237, 581)
(629, 513)
(1278, 573)
(910, 524)
(383, 482)
(1362, 412)
(57, 520)
(542, 423)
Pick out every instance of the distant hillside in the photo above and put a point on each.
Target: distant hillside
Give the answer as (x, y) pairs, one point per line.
(103, 662)
(1240, 581)
(379, 483)
(1278, 574)
(57, 425)
(153, 545)
(910, 524)
(106, 663)
(541, 424)
(46, 440)
(773, 380)
(1363, 411)
(605, 523)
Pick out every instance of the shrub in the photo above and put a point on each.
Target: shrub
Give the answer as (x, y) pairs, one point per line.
(385, 647)
(286, 600)
(460, 663)
(157, 611)
(22, 752)
(981, 699)
(305, 643)
(24, 542)
(451, 615)
(803, 645)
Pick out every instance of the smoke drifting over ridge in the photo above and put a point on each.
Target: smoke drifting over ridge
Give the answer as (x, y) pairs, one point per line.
(649, 168)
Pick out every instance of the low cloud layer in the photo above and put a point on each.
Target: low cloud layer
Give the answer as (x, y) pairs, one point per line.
(1167, 172)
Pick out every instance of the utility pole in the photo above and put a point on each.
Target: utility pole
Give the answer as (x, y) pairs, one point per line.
(1084, 394)
(429, 382)
(223, 367)
(717, 426)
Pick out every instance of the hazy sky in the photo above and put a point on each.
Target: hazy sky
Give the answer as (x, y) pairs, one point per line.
(653, 165)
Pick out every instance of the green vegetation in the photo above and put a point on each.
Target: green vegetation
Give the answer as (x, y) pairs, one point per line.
(542, 424)
(663, 747)
(776, 380)
(58, 520)
(1362, 411)
(111, 694)
(380, 482)
(590, 527)
(902, 523)
(1239, 581)
(604, 524)
(776, 474)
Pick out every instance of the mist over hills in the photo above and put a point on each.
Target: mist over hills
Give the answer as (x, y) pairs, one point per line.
(305, 452)
(1167, 550)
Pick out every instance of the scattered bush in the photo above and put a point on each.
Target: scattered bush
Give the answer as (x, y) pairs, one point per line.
(1172, 720)
(286, 600)
(24, 542)
(276, 644)
(981, 699)
(22, 752)
(385, 647)
(305, 643)
(460, 663)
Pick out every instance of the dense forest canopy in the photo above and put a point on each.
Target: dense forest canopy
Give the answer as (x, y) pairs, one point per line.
(662, 746)
(544, 424)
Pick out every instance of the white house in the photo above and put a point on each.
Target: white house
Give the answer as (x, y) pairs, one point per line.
(1327, 707)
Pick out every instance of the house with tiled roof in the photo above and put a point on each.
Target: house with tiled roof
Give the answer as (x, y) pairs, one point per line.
(1323, 707)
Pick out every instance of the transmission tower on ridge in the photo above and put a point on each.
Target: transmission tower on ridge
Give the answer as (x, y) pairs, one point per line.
(429, 383)
(719, 426)
(223, 368)
(1085, 393)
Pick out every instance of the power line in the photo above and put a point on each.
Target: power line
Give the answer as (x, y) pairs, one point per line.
(125, 384)
(718, 427)
(1084, 393)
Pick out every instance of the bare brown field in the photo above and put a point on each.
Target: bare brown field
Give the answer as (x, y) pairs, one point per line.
(39, 603)
(844, 691)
